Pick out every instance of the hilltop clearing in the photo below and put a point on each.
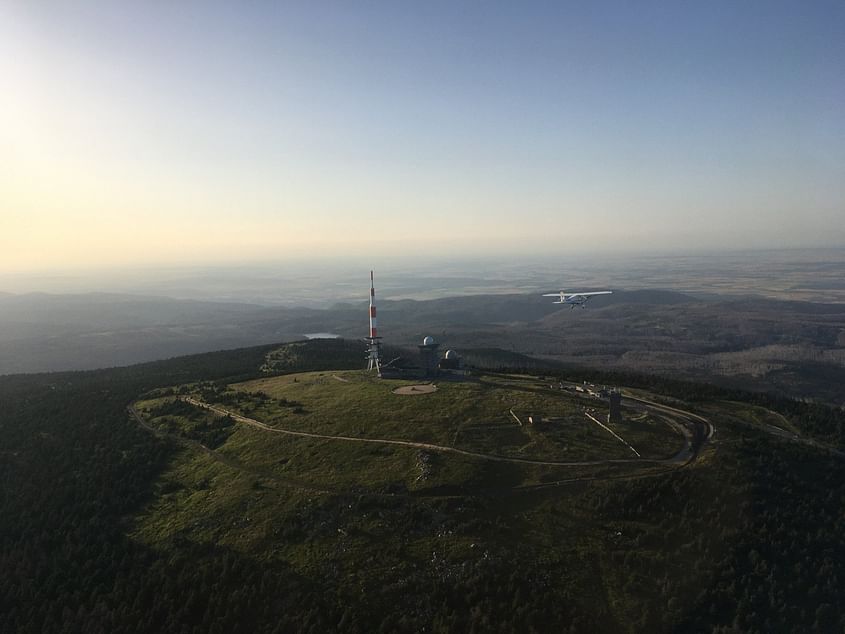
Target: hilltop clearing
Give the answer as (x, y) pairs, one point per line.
(236, 499)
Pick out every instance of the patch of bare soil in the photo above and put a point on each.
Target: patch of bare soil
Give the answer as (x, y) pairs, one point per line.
(414, 390)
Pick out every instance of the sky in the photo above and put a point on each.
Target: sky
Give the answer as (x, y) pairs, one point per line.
(170, 133)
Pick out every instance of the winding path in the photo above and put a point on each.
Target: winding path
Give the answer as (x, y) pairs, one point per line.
(222, 458)
(685, 455)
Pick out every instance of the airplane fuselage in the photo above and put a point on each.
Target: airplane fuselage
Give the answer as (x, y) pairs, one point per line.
(575, 300)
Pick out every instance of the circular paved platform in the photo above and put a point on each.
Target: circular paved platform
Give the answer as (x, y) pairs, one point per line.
(414, 390)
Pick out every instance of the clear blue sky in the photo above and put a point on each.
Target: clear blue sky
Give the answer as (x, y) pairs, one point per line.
(196, 131)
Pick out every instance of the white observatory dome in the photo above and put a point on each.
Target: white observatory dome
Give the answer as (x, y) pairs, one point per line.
(428, 341)
(451, 354)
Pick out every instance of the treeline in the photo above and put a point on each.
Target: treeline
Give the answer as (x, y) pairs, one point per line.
(751, 544)
(315, 355)
(73, 467)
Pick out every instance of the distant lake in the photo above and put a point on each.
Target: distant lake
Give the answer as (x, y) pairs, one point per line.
(321, 335)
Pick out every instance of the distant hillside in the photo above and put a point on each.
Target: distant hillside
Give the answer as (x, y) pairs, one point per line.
(794, 347)
(42, 332)
(496, 358)
(654, 297)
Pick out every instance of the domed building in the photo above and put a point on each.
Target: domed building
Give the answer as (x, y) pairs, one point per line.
(451, 361)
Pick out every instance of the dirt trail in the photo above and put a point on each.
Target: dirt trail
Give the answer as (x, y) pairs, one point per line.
(431, 447)
(222, 459)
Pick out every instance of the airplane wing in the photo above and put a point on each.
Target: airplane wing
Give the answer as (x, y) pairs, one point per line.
(593, 293)
(552, 294)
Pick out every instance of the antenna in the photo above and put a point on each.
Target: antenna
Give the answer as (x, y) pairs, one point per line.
(373, 341)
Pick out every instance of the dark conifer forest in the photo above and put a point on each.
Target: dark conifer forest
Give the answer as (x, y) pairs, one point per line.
(750, 539)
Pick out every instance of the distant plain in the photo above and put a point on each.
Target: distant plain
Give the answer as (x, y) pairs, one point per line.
(772, 320)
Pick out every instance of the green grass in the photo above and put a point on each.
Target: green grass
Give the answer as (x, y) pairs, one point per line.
(314, 503)
(651, 435)
(473, 415)
(387, 521)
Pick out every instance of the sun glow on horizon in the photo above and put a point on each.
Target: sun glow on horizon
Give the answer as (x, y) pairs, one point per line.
(137, 134)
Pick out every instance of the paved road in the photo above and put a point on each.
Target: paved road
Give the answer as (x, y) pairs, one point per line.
(707, 425)
(432, 447)
(696, 429)
(786, 434)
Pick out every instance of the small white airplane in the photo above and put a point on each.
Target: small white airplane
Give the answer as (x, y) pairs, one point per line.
(575, 299)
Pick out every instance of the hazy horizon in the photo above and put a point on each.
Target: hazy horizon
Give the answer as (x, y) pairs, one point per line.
(789, 274)
(198, 133)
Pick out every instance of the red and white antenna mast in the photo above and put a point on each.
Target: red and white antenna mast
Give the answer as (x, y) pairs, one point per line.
(374, 341)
